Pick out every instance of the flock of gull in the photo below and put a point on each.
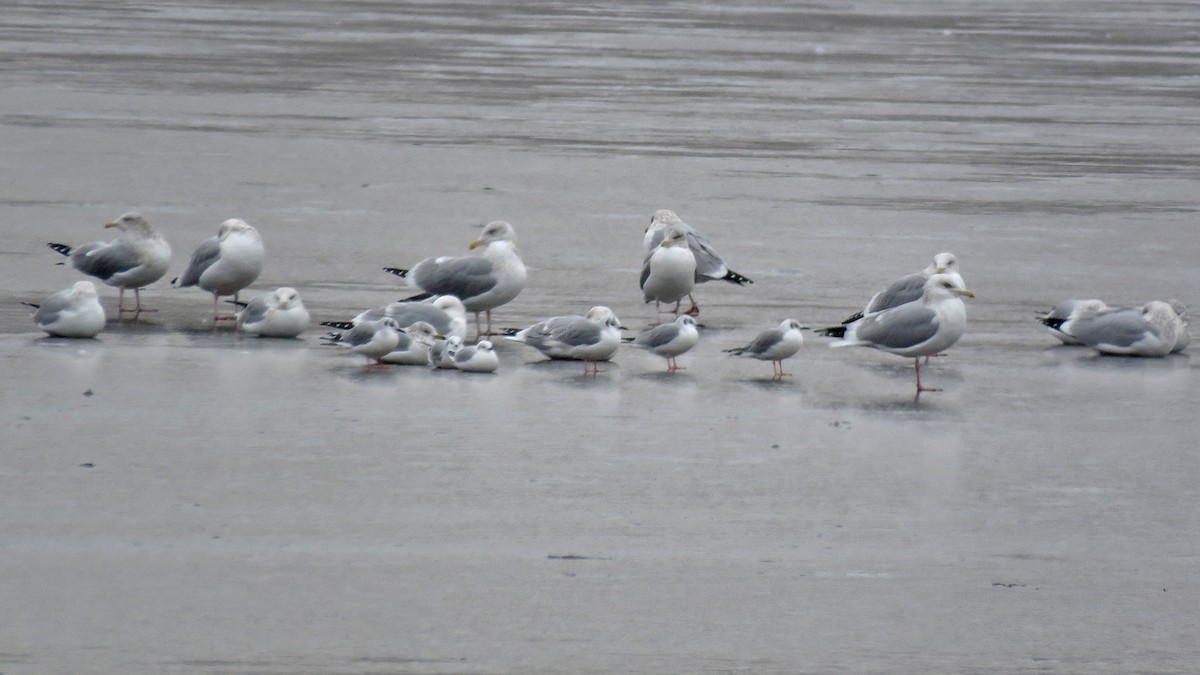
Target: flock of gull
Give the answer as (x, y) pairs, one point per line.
(918, 315)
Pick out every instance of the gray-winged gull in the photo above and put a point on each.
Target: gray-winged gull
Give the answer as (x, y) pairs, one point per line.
(1150, 330)
(477, 358)
(445, 313)
(136, 259)
(709, 265)
(669, 270)
(279, 314)
(413, 344)
(225, 264)
(774, 345)
(669, 340)
(590, 338)
(909, 287)
(1057, 320)
(74, 312)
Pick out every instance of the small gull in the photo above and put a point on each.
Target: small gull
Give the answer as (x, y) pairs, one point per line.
(774, 345)
(136, 259)
(373, 339)
(483, 282)
(225, 264)
(909, 287)
(1057, 320)
(669, 270)
(1150, 330)
(590, 338)
(709, 265)
(441, 355)
(923, 327)
(74, 312)
(445, 312)
(669, 340)
(477, 358)
(412, 345)
(278, 314)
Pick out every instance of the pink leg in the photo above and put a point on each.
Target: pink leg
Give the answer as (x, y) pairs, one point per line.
(694, 310)
(917, 365)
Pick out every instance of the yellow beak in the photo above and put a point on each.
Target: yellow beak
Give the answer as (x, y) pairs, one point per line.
(965, 293)
(475, 244)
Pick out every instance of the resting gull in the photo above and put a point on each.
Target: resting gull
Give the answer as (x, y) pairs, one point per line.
(74, 312)
(477, 358)
(923, 327)
(1057, 320)
(774, 345)
(412, 345)
(590, 338)
(225, 264)
(1150, 330)
(709, 265)
(445, 312)
(483, 282)
(136, 259)
(278, 314)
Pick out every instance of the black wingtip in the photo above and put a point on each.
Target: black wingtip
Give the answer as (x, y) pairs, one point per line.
(736, 351)
(832, 331)
(402, 273)
(60, 248)
(735, 278)
(852, 318)
(239, 303)
(31, 304)
(340, 325)
(1054, 323)
(417, 298)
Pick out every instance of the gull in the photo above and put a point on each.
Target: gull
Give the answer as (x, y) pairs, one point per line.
(774, 345)
(709, 265)
(445, 312)
(412, 345)
(669, 270)
(669, 340)
(590, 338)
(74, 312)
(483, 282)
(136, 259)
(909, 287)
(1057, 320)
(1150, 330)
(441, 355)
(373, 339)
(919, 328)
(477, 358)
(1183, 334)
(279, 313)
(225, 264)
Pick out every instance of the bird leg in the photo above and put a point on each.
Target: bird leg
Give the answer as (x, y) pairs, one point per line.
(694, 310)
(673, 366)
(917, 365)
(217, 310)
(594, 368)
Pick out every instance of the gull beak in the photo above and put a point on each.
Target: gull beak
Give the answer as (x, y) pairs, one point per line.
(439, 336)
(475, 244)
(111, 223)
(964, 292)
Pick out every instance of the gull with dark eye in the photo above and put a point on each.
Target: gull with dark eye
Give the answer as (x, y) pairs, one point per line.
(774, 345)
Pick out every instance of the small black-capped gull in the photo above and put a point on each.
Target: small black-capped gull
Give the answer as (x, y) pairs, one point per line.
(669, 340)
(477, 358)
(1151, 330)
(590, 338)
(445, 312)
(136, 259)
(910, 287)
(1057, 320)
(709, 265)
(482, 282)
(225, 264)
(74, 312)
(774, 345)
(923, 327)
(669, 270)
(278, 314)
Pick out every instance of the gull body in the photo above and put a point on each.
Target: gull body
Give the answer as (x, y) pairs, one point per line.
(774, 345)
(279, 314)
(910, 287)
(669, 340)
(709, 264)
(590, 338)
(136, 259)
(669, 270)
(477, 358)
(74, 312)
(413, 343)
(225, 264)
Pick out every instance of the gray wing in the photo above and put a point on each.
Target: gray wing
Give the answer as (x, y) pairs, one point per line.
(52, 307)
(764, 341)
(577, 333)
(104, 259)
(408, 313)
(709, 265)
(465, 277)
(360, 334)
(646, 265)
(899, 327)
(463, 355)
(254, 311)
(901, 291)
(206, 254)
(657, 336)
(1117, 327)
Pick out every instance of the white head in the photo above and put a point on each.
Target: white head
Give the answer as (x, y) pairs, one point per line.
(791, 324)
(604, 315)
(286, 297)
(453, 344)
(945, 286)
(686, 320)
(132, 223)
(1085, 308)
(1180, 310)
(497, 230)
(663, 218)
(422, 332)
(84, 289)
(674, 236)
(484, 346)
(942, 263)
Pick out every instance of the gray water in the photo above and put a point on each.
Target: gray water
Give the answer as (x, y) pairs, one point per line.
(178, 499)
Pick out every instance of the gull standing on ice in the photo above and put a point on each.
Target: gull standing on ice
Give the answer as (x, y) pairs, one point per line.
(774, 345)
(477, 358)
(279, 314)
(909, 287)
(225, 264)
(669, 270)
(919, 328)
(74, 312)
(590, 338)
(483, 282)
(136, 259)
(709, 265)
(669, 340)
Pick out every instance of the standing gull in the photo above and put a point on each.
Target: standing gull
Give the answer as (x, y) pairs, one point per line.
(919, 328)
(590, 338)
(909, 287)
(226, 263)
(774, 345)
(136, 259)
(279, 313)
(709, 265)
(1150, 330)
(669, 270)
(483, 282)
(74, 312)
(669, 340)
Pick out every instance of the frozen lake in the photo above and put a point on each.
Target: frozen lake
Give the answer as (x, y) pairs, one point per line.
(179, 499)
